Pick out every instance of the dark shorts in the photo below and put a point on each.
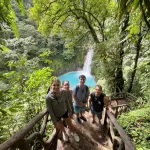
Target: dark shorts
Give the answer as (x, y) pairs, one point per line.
(99, 114)
(65, 115)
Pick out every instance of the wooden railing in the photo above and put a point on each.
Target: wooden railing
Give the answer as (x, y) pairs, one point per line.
(119, 140)
(19, 139)
(122, 95)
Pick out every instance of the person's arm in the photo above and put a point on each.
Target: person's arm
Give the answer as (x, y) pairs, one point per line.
(88, 95)
(50, 110)
(89, 101)
(67, 102)
(106, 102)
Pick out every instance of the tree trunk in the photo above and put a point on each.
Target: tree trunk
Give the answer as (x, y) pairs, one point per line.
(119, 81)
(138, 48)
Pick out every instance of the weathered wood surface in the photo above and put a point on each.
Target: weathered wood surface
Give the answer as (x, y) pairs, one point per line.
(128, 144)
(23, 132)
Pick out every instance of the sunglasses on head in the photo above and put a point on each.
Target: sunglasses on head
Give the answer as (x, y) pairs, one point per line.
(56, 84)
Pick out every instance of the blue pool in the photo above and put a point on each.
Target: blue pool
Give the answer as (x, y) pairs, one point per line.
(73, 78)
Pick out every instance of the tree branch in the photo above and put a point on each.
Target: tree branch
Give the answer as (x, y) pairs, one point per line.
(145, 19)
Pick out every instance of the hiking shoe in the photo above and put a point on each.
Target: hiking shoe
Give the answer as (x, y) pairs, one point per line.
(76, 137)
(78, 120)
(65, 137)
(83, 118)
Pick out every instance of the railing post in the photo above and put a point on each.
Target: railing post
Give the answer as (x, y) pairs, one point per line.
(105, 119)
(23, 145)
(116, 113)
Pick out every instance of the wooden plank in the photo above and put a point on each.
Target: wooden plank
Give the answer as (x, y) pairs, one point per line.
(22, 133)
(43, 127)
(120, 106)
(51, 143)
(123, 135)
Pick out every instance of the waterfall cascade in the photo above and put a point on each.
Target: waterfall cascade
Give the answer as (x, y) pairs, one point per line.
(88, 61)
(73, 77)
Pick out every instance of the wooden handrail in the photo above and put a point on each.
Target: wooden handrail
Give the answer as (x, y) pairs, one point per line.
(123, 93)
(128, 144)
(22, 132)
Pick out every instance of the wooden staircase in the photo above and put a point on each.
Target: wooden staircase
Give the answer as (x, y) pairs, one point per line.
(91, 137)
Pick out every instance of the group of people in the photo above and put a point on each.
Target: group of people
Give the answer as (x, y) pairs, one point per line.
(59, 103)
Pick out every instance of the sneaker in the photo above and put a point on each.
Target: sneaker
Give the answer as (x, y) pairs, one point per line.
(78, 120)
(76, 137)
(83, 118)
(65, 137)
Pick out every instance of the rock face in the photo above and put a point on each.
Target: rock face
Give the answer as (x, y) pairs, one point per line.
(75, 67)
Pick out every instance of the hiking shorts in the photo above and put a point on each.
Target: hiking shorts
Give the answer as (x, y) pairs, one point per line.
(99, 114)
(77, 109)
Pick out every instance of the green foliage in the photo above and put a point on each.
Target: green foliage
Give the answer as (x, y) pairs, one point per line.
(136, 124)
(7, 14)
(22, 90)
(73, 19)
(4, 48)
(104, 64)
(25, 77)
(38, 78)
(68, 54)
(125, 6)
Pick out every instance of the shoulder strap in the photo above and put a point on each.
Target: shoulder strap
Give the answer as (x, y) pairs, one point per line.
(86, 88)
(77, 88)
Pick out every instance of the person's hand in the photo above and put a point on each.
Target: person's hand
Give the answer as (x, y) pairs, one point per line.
(71, 115)
(81, 104)
(84, 104)
(59, 125)
(111, 110)
(88, 109)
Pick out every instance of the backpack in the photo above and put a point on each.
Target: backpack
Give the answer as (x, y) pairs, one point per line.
(77, 88)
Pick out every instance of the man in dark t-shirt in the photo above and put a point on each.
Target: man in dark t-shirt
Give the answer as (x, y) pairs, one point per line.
(97, 100)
